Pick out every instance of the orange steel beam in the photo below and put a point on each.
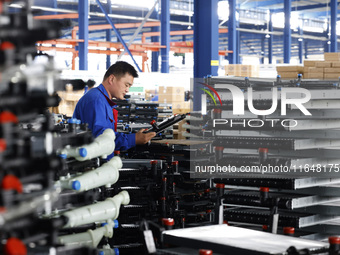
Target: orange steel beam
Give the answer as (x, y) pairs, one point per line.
(135, 47)
(121, 25)
(107, 52)
(181, 32)
(58, 16)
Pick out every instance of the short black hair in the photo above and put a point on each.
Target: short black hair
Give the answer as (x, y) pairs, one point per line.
(119, 69)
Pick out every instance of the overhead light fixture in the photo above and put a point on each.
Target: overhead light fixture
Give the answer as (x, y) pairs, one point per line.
(328, 42)
(267, 36)
(189, 27)
(300, 39)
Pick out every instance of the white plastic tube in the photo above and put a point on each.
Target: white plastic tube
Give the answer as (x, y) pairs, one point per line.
(101, 211)
(107, 174)
(102, 146)
(90, 238)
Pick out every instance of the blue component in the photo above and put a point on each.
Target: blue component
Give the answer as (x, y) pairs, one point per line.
(72, 121)
(204, 77)
(101, 253)
(298, 84)
(76, 185)
(78, 122)
(62, 155)
(103, 224)
(209, 76)
(115, 224)
(299, 75)
(278, 76)
(246, 78)
(116, 250)
(82, 152)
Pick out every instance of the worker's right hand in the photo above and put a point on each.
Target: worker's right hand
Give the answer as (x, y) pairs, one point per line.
(143, 138)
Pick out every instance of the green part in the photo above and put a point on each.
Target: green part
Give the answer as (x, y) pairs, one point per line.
(208, 92)
(136, 89)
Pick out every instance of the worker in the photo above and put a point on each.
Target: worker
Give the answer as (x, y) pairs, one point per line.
(98, 110)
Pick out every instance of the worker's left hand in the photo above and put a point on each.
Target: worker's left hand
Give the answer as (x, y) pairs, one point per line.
(143, 138)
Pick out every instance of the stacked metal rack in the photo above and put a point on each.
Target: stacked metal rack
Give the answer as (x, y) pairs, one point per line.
(282, 168)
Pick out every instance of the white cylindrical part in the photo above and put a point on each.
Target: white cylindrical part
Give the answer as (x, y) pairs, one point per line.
(107, 174)
(101, 211)
(90, 238)
(102, 146)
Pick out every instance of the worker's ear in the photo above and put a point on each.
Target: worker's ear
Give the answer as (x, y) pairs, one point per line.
(112, 78)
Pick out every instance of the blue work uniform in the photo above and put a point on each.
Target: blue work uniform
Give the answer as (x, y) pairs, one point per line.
(97, 110)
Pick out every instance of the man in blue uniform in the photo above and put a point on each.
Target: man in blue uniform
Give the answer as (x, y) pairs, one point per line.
(97, 109)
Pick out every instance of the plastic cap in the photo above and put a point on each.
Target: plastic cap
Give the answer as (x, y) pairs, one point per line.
(264, 189)
(216, 110)
(115, 224)
(265, 227)
(62, 155)
(174, 163)
(103, 224)
(219, 148)
(153, 162)
(78, 122)
(288, 230)
(263, 150)
(101, 253)
(205, 252)
(334, 239)
(220, 185)
(116, 251)
(11, 182)
(6, 45)
(7, 117)
(278, 76)
(209, 76)
(82, 152)
(168, 221)
(299, 75)
(153, 122)
(3, 145)
(76, 185)
(14, 246)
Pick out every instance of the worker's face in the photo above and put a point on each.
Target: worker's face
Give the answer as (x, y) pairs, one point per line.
(120, 86)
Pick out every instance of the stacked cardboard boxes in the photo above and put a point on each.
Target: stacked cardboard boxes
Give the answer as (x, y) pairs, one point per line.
(175, 97)
(178, 130)
(289, 71)
(314, 69)
(242, 70)
(68, 102)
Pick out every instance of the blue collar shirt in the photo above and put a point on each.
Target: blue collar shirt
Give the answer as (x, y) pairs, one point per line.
(94, 109)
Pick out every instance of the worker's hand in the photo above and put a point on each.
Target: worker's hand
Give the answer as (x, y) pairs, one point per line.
(143, 138)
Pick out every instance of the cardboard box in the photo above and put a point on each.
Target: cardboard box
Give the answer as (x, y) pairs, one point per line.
(333, 76)
(332, 70)
(315, 76)
(286, 75)
(309, 63)
(170, 94)
(335, 64)
(181, 107)
(289, 68)
(313, 70)
(325, 64)
(332, 56)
